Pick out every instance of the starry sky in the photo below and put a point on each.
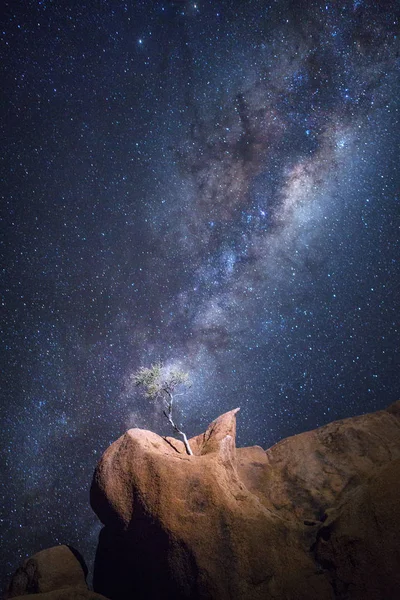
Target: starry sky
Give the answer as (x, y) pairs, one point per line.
(213, 184)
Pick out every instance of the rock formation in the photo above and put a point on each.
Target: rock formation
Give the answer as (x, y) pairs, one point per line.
(358, 544)
(57, 573)
(310, 472)
(314, 517)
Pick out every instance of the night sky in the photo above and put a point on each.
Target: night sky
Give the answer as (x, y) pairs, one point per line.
(214, 184)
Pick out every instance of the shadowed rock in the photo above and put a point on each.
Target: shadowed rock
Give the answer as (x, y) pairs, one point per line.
(359, 542)
(57, 573)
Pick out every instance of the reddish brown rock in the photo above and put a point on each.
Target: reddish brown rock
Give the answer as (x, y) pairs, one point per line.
(359, 543)
(232, 523)
(312, 471)
(179, 526)
(56, 573)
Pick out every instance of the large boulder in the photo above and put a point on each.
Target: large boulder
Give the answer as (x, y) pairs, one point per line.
(57, 573)
(179, 526)
(242, 523)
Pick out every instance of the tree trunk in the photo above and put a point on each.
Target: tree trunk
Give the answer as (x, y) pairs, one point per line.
(169, 417)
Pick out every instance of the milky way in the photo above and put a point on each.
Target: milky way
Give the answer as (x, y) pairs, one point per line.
(210, 184)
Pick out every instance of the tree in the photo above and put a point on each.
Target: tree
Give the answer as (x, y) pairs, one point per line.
(160, 383)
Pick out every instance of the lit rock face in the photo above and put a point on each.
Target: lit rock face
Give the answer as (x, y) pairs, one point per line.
(57, 573)
(310, 472)
(242, 523)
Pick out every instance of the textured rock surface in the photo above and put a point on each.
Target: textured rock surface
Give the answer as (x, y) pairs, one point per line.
(57, 573)
(232, 523)
(359, 543)
(312, 471)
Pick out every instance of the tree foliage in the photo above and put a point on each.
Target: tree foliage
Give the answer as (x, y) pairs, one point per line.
(160, 383)
(157, 381)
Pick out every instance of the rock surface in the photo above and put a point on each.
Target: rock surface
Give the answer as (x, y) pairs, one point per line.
(246, 524)
(57, 573)
(359, 543)
(310, 472)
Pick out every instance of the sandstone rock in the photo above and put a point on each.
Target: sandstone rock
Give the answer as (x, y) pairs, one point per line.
(359, 543)
(310, 472)
(242, 523)
(179, 526)
(57, 573)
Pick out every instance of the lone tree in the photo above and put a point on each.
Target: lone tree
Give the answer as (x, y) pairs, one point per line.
(160, 383)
